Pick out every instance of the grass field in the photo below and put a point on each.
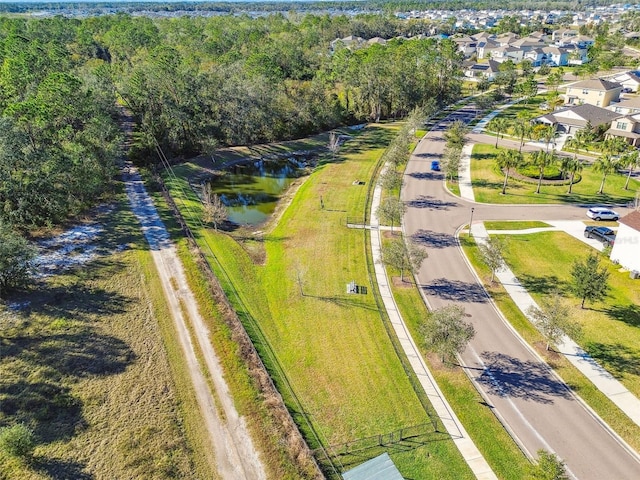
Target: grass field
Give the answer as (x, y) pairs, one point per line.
(515, 225)
(574, 378)
(329, 352)
(487, 185)
(85, 367)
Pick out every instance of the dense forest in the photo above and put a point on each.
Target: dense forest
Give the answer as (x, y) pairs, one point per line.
(192, 84)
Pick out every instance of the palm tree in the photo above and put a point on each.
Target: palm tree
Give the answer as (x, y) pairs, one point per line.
(547, 133)
(522, 129)
(508, 159)
(542, 160)
(499, 125)
(631, 160)
(572, 167)
(606, 164)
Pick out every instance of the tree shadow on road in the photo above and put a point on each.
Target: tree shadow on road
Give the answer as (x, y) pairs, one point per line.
(429, 238)
(426, 175)
(508, 376)
(432, 203)
(456, 290)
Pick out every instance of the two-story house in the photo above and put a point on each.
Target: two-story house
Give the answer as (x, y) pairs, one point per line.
(630, 80)
(571, 119)
(627, 127)
(627, 106)
(597, 91)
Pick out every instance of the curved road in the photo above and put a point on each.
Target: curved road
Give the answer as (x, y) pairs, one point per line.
(533, 404)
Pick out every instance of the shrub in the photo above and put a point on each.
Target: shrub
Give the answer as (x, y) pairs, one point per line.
(550, 173)
(17, 440)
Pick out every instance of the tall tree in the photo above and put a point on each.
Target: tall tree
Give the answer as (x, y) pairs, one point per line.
(214, 211)
(572, 166)
(522, 129)
(554, 321)
(542, 160)
(589, 281)
(506, 160)
(605, 164)
(631, 160)
(446, 333)
(499, 125)
(454, 135)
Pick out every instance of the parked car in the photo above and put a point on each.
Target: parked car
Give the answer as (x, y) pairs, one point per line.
(602, 213)
(435, 166)
(604, 234)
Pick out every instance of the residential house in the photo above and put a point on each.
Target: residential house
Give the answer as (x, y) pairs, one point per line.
(528, 43)
(627, 106)
(563, 34)
(627, 244)
(506, 38)
(502, 54)
(350, 42)
(597, 91)
(466, 45)
(630, 81)
(485, 48)
(536, 56)
(487, 70)
(556, 56)
(571, 119)
(627, 127)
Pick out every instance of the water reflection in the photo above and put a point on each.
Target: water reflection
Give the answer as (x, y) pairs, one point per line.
(251, 190)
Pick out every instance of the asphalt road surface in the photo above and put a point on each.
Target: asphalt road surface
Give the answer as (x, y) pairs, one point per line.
(533, 404)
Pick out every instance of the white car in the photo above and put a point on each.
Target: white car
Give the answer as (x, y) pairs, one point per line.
(602, 213)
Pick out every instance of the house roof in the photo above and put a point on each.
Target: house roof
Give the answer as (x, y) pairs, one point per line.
(378, 468)
(596, 84)
(627, 103)
(581, 115)
(622, 133)
(632, 220)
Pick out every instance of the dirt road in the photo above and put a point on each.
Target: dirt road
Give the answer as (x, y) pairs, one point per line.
(236, 457)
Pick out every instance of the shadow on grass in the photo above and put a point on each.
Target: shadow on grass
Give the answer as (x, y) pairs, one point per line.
(456, 290)
(629, 314)
(429, 238)
(616, 358)
(57, 468)
(543, 285)
(343, 302)
(430, 202)
(508, 376)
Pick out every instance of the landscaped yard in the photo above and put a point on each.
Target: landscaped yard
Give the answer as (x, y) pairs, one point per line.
(328, 351)
(487, 182)
(611, 324)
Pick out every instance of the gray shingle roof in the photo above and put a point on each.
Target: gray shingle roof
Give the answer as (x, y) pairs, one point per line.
(596, 84)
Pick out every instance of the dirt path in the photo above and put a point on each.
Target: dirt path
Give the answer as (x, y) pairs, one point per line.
(236, 457)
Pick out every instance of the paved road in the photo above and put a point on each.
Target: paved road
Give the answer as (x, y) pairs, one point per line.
(533, 404)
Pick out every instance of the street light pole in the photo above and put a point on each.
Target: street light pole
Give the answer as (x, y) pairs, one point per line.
(471, 221)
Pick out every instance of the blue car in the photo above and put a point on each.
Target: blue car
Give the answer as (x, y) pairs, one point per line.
(435, 166)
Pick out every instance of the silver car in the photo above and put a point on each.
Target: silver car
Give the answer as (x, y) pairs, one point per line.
(602, 213)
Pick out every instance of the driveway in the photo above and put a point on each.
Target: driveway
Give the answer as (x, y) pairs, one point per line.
(533, 404)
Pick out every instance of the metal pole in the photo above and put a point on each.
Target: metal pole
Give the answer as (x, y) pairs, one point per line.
(471, 221)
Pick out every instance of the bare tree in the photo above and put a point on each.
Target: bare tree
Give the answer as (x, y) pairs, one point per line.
(214, 210)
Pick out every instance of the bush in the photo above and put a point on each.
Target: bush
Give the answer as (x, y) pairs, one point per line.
(550, 173)
(17, 440)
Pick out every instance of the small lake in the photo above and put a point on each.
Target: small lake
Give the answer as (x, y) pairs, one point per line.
(251, 190)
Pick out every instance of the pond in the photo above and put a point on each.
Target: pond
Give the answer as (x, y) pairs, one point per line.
(251, 190)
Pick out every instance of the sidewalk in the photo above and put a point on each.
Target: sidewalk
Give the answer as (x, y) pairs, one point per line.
(467, 448)
(603, 380)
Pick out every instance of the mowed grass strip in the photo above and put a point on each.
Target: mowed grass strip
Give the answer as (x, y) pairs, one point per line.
(493, 441)
(515, 225)
(604, 407)
(86, 368)
(332, 346)
(487, 181)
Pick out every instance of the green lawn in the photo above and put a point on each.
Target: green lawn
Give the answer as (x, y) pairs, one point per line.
(538, 258)
(611, 328)
(487, 185)
(515, 225)
(329, 352)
